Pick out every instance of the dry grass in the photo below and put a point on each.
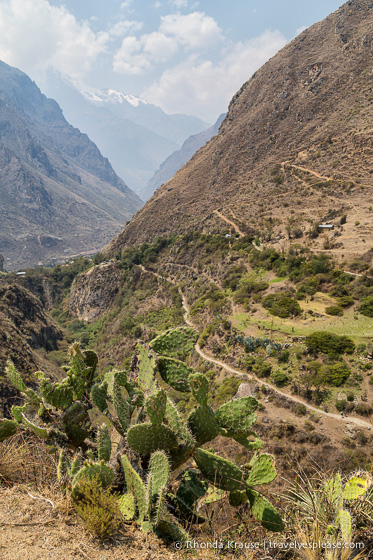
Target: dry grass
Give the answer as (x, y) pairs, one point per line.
(25, 459)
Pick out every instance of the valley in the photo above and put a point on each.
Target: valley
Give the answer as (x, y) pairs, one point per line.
(199, 368)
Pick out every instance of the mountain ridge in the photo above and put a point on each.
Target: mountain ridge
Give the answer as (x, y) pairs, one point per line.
(59, 195)
(309, 105)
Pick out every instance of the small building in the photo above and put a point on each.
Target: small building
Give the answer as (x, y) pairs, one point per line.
(326, 226)
(227, 235)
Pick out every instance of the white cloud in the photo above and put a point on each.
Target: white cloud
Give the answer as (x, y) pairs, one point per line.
(159, 46)
(136, 56)
(178, 4)
(124, 26)
(194, 31)
(126, 4)
(204, 88)
(35, 35)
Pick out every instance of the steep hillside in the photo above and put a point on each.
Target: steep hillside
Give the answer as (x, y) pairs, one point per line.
(58, 195)
(25, 330)
(295, 148)
(179, 158)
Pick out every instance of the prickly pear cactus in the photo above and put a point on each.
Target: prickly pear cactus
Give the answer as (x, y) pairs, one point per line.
(175, 373)
(125, 401)
(237, 415)
(156, 407)
(103, 443)
(146, 438)
(103, 473)
(264, 511)
(175, 343)
(200, 387)
(222, 473)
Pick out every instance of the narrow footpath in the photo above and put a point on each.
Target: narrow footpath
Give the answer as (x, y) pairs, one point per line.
(347, 420)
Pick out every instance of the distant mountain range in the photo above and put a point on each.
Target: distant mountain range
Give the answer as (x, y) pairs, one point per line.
(135, 135)
(58, 195)
(179, 158)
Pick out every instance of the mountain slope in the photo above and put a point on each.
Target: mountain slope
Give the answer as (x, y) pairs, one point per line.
(179, 158)
(59, 195)
(135, 135)
(296, 144)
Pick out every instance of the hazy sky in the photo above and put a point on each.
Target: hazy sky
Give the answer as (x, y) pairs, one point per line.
(186, 56)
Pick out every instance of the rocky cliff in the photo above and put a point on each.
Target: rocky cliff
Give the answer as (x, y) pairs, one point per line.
(58, 195)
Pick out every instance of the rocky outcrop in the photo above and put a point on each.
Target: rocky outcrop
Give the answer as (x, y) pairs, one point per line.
(25, 329)
(92, 293)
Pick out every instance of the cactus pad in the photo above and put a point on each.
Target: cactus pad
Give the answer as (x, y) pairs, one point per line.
(237, 415)
(159, 471)
(345, 523)
(172, 531)
(355, 487)
(156, 407)
(146, 365)
(200, 387)
(146, 438)
(175, 343)
(40, 432)
(264, 511)
(203, 425)
(14, 377)
(221, 472)
(104, 443)
(58, 395)
(122, 408)
(99, 395)
(262, 470)
(175, 373)
(135, 486)
(17, 412)
(127, 506)
(63, 466)
(7, 428)
(103, 473)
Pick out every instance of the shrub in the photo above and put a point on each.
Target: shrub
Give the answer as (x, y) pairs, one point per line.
(340, 405)
(300, 409)
(346, 301)
(227, 389)
(334, 310)
(336, 374)
(98, 508)
(280, 378)
(281, 305)
(262, 369)
(283, 357)
(329, 343)
(366, 306)
(364, 409)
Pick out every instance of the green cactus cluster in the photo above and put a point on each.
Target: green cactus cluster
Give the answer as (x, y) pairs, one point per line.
(175, 343)
(157, 439)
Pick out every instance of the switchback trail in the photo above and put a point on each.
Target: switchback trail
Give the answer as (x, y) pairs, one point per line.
(316, 173)
(228, 221)
(246, 376)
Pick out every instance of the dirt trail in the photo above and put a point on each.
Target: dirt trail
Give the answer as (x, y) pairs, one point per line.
(228, 221)
(317, 174)
(246, 376)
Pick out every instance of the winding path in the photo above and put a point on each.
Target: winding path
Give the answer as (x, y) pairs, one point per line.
(243, 375)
